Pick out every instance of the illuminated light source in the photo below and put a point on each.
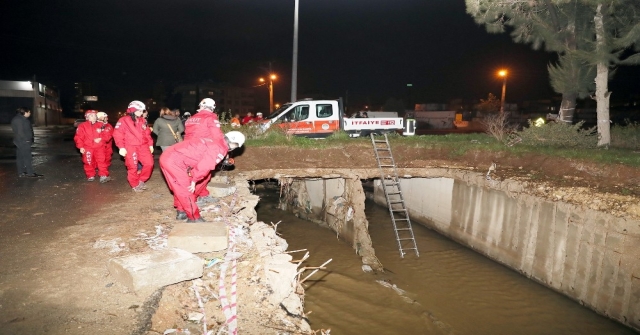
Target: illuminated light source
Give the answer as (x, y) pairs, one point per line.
(539, 122)
(503, 73)
(272, 77)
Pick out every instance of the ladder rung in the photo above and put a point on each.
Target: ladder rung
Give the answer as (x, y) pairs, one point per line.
(401, 220)
(405, 239)
(403, 228)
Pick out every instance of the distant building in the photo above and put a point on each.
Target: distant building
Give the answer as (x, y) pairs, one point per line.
(44, 102)
(228, 99)
(85, 97)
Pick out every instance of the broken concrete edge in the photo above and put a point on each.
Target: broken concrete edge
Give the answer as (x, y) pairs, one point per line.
(151, 271)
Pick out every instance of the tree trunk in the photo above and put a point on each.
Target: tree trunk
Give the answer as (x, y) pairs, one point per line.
(567, 107)
(602, 78)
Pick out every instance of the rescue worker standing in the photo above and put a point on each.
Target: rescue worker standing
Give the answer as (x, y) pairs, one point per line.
(133, 137)
(88, 141)
(106, 153)
(186, 164)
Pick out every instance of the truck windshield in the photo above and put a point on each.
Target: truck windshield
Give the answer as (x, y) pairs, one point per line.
(278, 111)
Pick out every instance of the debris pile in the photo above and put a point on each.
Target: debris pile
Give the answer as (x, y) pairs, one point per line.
(252, 287)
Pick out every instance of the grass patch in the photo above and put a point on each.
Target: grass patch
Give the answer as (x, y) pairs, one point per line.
(456, 145)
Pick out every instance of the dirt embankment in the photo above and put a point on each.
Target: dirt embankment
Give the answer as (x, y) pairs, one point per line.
(612, 188)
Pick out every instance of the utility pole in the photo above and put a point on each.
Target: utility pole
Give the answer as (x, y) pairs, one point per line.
(270, 90)
(294, 70)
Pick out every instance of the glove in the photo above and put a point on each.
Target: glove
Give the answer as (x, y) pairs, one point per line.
(192, 187)
(151, 149)
(82, 151)
(122, 152)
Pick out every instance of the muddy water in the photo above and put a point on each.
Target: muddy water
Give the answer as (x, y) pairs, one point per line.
(449, 289)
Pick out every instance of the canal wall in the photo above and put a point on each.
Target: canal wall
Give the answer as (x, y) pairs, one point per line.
(336, 203)
(589, 256)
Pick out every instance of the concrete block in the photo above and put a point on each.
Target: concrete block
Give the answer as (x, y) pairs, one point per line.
(198, 237)
(572, 248)
(220, 190)
(609, 276)
(542, 264)
(620, 296)
(154, 269)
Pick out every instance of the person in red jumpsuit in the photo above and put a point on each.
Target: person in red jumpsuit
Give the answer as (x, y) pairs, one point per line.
(187, 163)
(135, 144)
(108, 144)
(204, 124)
(89, 142)
(247, 119)
(106, 132)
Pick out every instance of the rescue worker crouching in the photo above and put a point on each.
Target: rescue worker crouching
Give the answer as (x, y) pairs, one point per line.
(186, 165)
(90, 138)
(204, 124)
(133, 137)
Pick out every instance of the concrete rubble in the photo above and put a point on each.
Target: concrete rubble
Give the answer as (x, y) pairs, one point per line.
(232, 245)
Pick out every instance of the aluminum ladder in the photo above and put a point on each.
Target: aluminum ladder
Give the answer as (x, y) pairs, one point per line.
(393, 194)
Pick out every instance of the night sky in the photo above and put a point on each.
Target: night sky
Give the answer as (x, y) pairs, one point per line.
(370, 48)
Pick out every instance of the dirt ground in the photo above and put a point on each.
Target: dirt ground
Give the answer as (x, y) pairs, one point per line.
(82, 298)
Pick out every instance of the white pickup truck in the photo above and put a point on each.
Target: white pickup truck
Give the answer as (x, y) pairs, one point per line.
(320, 118)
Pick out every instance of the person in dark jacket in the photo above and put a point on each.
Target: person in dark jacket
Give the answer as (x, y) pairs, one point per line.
(23, 139)
(168, 128)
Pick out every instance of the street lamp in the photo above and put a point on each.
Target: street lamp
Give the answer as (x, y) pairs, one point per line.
(503, 74)
(272, 77)
(294, 66)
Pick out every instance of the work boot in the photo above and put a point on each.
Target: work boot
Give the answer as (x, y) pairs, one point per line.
(104, 179)
(91, 178)
(181, 216)
(137, 189)
(142, 185)
(200, 219)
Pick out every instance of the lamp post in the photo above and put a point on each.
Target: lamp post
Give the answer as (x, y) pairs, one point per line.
(503, 74)
(294, 67)
(272, 77)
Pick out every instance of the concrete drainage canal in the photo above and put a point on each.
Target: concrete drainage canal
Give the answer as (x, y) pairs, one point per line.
(449, 289)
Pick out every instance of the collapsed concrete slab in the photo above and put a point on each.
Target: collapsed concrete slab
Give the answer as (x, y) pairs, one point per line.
(152, 270)
(198, 237)
(220, 190)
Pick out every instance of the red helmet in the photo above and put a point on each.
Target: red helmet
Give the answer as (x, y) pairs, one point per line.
(89, 112)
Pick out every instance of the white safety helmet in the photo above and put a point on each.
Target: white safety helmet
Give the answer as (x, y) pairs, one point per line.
(235, 137)
(208, 103)
(101, 115)
(136, 106)
(258, 114)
